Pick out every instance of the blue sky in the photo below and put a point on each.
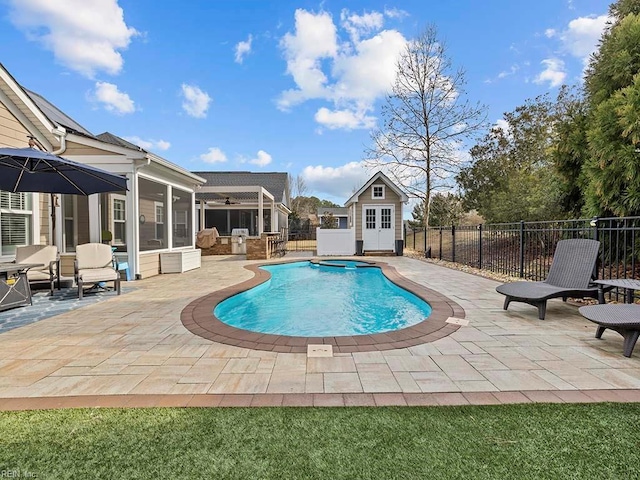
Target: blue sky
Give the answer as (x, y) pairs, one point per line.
(281, 85)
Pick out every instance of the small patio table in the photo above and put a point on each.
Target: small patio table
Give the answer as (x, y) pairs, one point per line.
(15, 290)
(629, 285)
(622, 318)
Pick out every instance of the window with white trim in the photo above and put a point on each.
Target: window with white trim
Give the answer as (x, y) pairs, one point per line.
(16, 221)
(377, 192)
(119, 219)
(159, 208)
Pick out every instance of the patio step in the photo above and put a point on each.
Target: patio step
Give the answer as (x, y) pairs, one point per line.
(379, 253)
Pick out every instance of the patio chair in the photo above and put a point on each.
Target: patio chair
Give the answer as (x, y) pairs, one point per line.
(95, 264)
(570, 275)
(45, 255)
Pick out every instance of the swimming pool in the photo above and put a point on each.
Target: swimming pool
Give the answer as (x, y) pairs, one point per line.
(315, 300)
(198, 318)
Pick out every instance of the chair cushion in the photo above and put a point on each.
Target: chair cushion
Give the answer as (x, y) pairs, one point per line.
(95, 275)
(36, 275)
(93, 255)
(42, 254)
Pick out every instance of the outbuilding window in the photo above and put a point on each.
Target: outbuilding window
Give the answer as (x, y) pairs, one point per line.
(377, 192)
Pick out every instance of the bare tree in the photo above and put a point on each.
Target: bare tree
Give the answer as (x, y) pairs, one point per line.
(426, 119)
(297, 189)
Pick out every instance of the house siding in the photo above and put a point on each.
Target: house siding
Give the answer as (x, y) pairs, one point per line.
(390, 198)
(77, 149)
(12, 132)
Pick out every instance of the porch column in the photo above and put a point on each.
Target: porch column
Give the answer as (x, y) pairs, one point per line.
(133, 225)
(274, 219)
(202, 205)
(58, 226)
(95, 219)
(260, 212)
(169, 210)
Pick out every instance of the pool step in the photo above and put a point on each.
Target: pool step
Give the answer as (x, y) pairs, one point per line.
(379, 253)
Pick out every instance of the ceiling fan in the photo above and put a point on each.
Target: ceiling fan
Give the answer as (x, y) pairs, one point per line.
(229, 202)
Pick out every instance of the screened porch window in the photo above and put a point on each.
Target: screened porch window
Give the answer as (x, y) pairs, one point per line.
(152, 220)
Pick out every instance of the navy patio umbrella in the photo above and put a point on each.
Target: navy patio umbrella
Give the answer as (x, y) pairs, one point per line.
(31, 170)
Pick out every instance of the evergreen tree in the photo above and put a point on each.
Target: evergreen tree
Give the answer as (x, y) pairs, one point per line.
(612, 84)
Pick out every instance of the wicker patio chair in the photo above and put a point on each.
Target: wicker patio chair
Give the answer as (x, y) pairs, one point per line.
(94, 264)
(570, 275)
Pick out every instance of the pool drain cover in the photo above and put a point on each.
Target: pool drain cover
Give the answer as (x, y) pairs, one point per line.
(458, 321)
(319, 351)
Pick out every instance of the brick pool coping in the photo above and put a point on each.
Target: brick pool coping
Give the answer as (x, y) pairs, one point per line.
(321, 399)
(198, 318)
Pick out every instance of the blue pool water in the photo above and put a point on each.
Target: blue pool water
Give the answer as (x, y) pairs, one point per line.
(308, 300)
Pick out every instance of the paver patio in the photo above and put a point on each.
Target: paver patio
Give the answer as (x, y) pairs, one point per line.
(134, 349)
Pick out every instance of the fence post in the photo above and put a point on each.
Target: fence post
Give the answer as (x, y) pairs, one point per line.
(596, 231)
(440, 249)
(453, 243)
(521, 248)
(480, 247)
(425, 241)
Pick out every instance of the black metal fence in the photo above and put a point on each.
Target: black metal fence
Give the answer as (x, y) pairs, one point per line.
(525, 249)
(302, 240)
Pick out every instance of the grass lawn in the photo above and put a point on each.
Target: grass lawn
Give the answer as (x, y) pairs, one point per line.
(594, 441)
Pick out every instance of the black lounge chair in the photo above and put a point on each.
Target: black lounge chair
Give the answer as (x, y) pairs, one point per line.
(569, 276)
(624, 319)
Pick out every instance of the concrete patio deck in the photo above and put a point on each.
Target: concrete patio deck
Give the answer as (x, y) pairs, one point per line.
(133, 350)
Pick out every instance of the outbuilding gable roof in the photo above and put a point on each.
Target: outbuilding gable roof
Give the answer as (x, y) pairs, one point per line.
(378, 176)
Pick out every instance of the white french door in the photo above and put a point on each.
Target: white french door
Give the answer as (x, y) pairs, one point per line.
(378, 227)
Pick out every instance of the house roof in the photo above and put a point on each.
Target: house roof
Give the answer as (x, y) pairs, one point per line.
(56, 115)
(276, 183)
(116, 140)
(335, 211)
(378, 176)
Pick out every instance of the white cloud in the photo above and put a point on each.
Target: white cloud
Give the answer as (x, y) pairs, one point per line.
(214, 155)
(243, 49)
(350, 75)
(262, 160)
(196, 102)
(506, 73)
(554, 72)
(84, 36)
(581, 37)
(339, 181)
(343, 119)
(550, 33)
(358, 25)
(113, 99)
(149, 145)
(395, 13)
(315, 38)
